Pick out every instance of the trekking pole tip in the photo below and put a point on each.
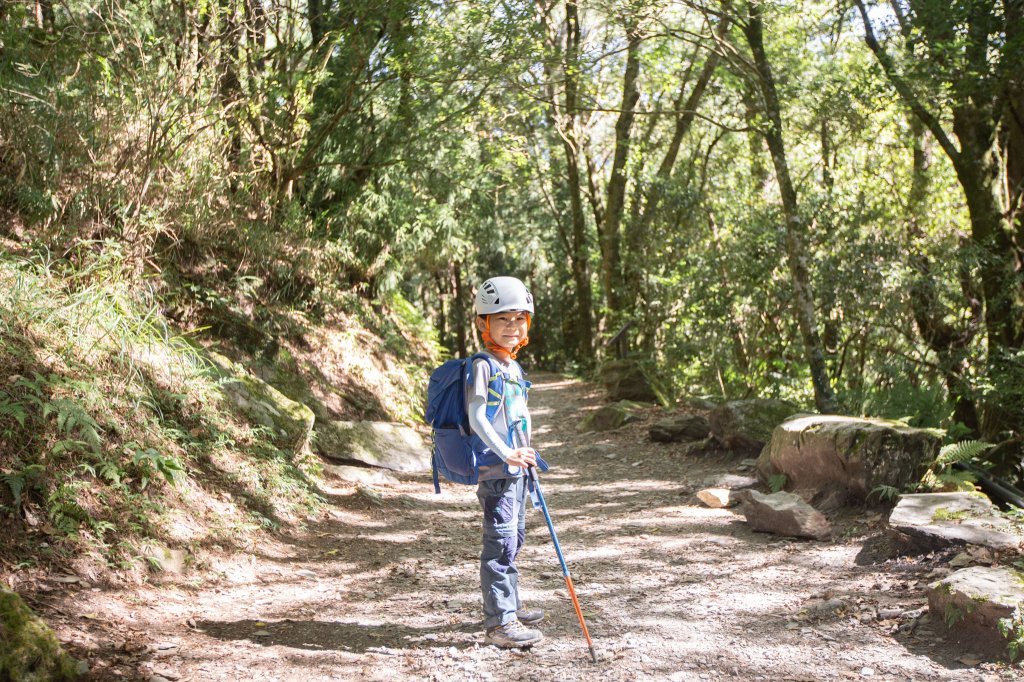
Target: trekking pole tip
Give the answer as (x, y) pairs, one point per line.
(593, 655)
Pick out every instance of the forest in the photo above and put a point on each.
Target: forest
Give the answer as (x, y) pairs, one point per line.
(817, 202)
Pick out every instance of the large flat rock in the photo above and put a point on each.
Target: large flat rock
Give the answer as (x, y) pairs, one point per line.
(930, 521)
(851, 455)
(379, 444)
(972, 601)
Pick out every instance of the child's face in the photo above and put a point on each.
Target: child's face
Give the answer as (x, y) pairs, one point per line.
(509, 329)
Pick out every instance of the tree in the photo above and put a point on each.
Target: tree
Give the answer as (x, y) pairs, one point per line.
(963, 80)
(796, 222)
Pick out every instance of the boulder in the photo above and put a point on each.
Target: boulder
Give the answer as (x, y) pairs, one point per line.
(784, 514)
(628, 379)
(744, 426)
(380, 444)
(697, 403)
(928, 521)
(28, 648)
(363, 475)
(734, 481)
(612, 416)
(847, 454)
(263, 404)
(683, 427)
(972, 601)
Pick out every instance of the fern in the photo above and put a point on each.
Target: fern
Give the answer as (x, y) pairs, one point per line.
(72, 417)
(18, 480)
(962, 481)
(963, 451)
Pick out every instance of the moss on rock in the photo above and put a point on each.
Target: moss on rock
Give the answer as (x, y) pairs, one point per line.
(29, 650)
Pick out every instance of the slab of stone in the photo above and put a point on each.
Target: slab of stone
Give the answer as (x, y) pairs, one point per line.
(735, 482)
(744, 426)
(930, 521)
(679, 428)
(628, 380)
(849, 454)
(718, 498)
(378, 444)
(364, 475)
(784, 513)
(263, 404)
(970, 602)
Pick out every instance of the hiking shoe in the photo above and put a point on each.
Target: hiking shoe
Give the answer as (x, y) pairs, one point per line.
(513, 635)
(530, 616)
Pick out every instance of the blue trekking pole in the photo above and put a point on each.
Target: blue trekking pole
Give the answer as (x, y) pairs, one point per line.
(539, 498)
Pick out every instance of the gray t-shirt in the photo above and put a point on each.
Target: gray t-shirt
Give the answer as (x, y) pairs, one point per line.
(513, 410)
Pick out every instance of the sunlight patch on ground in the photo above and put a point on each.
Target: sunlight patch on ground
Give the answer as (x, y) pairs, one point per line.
(553, 385)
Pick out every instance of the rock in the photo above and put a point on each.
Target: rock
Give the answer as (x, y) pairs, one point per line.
(28, 648)
(972, 601)
(784, 514)
(929, 521)
(263, 404)
(354, 474)
(697, 403)
(746, 425)
(683, 427)
(612, 416)
(848, 454)
(630, 380)
(717, 498)
(380, 444)
(735, 482)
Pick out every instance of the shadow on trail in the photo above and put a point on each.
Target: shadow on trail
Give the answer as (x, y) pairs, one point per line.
(316, 635)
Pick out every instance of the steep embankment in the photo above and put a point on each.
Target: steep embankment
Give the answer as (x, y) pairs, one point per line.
(381, 584)
(147, 430)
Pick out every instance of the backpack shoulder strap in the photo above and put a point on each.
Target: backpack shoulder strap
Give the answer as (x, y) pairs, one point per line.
(495, 383)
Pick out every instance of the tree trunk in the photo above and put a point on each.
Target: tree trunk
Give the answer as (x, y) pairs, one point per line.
(610, 235)
(579, 255)
(459, 312)
(796, 224)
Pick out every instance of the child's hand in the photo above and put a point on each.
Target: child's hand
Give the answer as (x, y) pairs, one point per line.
(523, 457)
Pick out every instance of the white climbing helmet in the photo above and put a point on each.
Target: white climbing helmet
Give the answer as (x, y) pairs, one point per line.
(501, 294)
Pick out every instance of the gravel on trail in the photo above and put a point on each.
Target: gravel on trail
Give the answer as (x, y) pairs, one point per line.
(384, 585)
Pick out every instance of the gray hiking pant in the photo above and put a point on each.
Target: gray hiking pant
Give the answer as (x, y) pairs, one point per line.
(504, 505)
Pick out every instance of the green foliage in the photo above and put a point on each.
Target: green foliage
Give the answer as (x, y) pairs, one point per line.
(123, 421)
(942, 476)
(964, 451)
(1012, 628)
(776, 482)
(886, 493)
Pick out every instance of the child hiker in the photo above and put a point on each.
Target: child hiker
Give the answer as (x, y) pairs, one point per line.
(504, 308)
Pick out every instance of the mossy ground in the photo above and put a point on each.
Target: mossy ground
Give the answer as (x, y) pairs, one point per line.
(29, 651)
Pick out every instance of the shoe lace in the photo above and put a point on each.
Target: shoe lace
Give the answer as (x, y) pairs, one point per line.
(514, 627)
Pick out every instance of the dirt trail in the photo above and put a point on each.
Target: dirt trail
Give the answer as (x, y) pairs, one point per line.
(384, 587)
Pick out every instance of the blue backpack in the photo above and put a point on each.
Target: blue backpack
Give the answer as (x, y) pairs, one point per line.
(456, 451)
